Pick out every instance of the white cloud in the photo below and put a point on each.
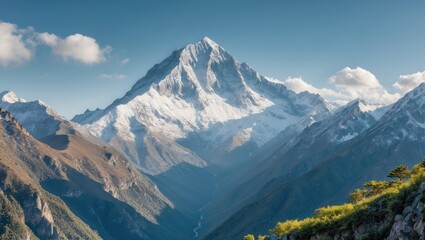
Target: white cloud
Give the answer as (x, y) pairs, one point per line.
(360, 83)
(346, 85)
(409, 82)
(125, 61)
(49, 39)
(17, 45)
(77, 47)
(355, 78)
(113, 76)
(13, 47)
(299, 85)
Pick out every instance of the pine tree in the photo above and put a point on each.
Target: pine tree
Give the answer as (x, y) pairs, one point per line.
(401, 172)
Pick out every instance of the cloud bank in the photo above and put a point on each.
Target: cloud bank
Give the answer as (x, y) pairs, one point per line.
(17, 46)
(348, 84)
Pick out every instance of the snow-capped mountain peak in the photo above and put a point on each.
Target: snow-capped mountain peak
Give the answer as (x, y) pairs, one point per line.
(408, 114)
(10, 97)
(367, 107)
(36, 117)
(202, 90)
(364, 106)
(417, 95)
(346, 123)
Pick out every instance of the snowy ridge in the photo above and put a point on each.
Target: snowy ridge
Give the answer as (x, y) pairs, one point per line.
(347, 122)
(404, 121)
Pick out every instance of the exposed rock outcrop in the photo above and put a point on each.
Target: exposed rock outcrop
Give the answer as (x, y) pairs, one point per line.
(409, 224)
(39, 217)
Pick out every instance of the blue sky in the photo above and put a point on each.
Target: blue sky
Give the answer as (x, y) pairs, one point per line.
(314, 40)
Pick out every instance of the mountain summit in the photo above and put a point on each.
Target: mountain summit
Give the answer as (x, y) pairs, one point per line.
(202, 99)
(10, 97)
(36, 116)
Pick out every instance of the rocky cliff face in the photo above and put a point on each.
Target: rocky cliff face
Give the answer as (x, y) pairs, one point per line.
(38, 216)
(410, 223)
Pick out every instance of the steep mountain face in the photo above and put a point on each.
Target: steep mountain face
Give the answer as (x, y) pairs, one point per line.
(27, 211)
(42, 122)
(326, 161)
(205, 104)
(322, 137)
(98, 185)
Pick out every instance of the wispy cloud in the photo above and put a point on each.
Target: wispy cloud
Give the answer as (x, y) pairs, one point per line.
(124, 61)
(113, 76)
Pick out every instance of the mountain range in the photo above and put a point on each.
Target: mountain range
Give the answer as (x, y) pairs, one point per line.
(201, 147)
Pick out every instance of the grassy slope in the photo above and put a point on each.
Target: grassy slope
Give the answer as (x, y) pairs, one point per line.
(378, 211)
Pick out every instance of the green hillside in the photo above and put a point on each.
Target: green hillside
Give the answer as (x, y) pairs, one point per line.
(381, 209)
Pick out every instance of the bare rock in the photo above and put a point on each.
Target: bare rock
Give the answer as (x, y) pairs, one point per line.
(407, 210)
(407, 229)
(39, 217)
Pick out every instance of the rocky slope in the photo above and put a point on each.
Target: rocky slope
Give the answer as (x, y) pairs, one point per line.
(94, 160)
(98, 185)
(27, 210)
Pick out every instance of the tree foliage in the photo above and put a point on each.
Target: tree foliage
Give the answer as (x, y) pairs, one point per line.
(357, 195)
(401, 172)
(375, 187)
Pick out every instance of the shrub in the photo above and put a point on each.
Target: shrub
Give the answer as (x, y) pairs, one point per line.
(375, 187)
(287, 227)
(249, 237)
(334, 211)
(262, 237)
(357, 195)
